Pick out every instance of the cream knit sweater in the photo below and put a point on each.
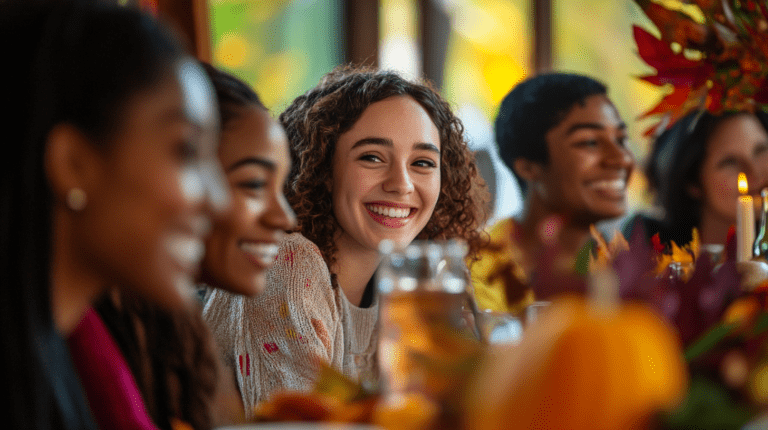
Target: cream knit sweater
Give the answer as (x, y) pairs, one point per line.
(274, 341)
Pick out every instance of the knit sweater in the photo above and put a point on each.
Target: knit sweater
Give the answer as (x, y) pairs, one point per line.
(275, 341)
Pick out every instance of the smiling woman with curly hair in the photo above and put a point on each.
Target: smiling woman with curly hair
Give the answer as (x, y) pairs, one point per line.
(374, 157)
(315, 121)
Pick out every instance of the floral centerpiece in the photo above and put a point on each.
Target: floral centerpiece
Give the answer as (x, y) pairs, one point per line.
(711, 54)
(722, 326)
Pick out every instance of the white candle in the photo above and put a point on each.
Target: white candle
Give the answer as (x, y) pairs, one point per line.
(745, 222)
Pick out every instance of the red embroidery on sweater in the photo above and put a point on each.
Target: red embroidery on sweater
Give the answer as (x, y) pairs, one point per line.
(247, 364)
(271, 347)
(322, 333)
(289, 257)
(307, 284)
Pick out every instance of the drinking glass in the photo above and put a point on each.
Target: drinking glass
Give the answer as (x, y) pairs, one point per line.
(423, 318)
(500, 327)
(534, 310)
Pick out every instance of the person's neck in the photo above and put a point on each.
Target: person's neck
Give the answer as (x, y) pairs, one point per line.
(354, 267)
(73, 286)
(713, 229)
(570, 238)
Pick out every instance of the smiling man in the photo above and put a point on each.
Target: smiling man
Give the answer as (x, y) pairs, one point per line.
(565, 143)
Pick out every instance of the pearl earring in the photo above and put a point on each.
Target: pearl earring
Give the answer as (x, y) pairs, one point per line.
(76, 199)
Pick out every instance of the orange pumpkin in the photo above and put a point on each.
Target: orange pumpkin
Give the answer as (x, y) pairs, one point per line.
(582, 367)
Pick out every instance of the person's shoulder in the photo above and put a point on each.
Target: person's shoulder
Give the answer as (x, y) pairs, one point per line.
(500, 249)
(299, 258)
(295, 247)
(298, 242)
(297, 239)
(500, 235)
(300, 276)
(502, 229)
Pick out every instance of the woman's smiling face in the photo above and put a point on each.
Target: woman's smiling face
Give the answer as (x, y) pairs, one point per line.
(386, 175)
(243, 242)
(737, 144)
(153, 190)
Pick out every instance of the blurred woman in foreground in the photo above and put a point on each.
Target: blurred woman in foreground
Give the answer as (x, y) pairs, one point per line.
(172, 352)
(116, 178)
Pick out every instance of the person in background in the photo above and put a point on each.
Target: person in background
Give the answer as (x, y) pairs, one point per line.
(693, 171)
(255, 156)
(374, 157)
(113, 179)
(172, 353)
(565, 143)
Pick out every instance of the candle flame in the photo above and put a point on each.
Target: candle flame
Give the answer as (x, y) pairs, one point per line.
(743, 188)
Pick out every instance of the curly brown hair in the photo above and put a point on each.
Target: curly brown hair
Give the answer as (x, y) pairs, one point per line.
(316, 119)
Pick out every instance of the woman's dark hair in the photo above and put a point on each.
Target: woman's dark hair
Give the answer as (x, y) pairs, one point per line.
(232, 93)
(66, 63)
(171, 353)
(674, 165)
(316, 119)
(534, 107)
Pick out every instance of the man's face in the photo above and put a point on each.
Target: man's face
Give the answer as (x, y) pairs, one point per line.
(589, 163)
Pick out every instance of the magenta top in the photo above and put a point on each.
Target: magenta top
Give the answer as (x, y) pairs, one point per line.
(112, 392)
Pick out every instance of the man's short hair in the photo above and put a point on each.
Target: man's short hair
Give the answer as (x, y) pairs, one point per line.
(534, 107)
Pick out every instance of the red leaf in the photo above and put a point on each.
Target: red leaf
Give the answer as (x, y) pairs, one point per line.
(657, 245)
(691, 77)
(714, 101)
(763, 10)
(651, 50)
(761, 96)
(670, 102)
(657, 53)
(651, 131)
(675, 26)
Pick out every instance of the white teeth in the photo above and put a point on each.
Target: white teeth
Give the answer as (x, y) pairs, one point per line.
(389, 211)
(615, 185)
(187, 250)
(264, 252)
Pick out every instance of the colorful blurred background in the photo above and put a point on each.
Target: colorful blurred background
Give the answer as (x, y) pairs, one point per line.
(478, 50)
